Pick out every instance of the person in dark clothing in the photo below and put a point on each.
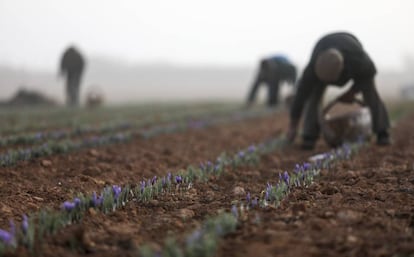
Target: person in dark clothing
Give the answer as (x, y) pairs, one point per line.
(336, 59)
(272, 72)
(71, 66)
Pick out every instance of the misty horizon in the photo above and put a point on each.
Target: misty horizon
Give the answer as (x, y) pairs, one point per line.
(123, 81)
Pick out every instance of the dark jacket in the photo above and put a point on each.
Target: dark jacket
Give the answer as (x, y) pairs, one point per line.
(72, 62)
(358, 66)
(272, 72)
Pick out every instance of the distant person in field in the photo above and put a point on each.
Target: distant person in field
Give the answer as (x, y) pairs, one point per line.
(273, 71)
(336, 59)
(71, 66)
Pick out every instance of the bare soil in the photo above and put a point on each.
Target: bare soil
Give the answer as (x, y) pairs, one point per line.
(361, 207)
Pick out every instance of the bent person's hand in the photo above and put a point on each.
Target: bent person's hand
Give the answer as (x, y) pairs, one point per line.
(348, 97)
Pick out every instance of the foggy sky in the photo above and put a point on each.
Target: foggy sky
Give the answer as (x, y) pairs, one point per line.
(191, 32)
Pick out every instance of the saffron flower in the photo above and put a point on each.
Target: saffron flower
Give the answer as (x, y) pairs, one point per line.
(153, 180)
(96, 200)
(234, 211)
(307, 166)
(248, 198)
(267, 195)
(178, 179)
(142, 186)
(254, 202)
(6, 237)
(68, 206)
(286, 178)
(25, 224)
(297, 168)
(251, 149)
(117, 191)
(77, 201)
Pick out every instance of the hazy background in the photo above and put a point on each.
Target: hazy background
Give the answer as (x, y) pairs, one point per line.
(189, 49)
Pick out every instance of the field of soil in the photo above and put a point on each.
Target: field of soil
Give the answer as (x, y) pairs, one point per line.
(359, 207)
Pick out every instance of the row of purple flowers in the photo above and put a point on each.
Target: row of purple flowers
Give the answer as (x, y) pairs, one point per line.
(114, 197)
(58, 147)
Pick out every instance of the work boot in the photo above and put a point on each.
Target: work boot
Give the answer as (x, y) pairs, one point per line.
(383, 138)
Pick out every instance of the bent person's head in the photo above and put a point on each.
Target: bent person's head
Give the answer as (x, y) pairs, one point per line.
(329, 65)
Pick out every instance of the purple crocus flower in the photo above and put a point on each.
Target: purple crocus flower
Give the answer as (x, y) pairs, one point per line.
(158, 254)
(178, 179)
(25, 224)
(77, 201)
(217, 168)
(142, 186)
(269, 186)
(319, 164)
(169, 177)
(38, 136)
(164, 181)
(267, 194)
(327, 155)
(297, 169)
(6, 237)
(194, 237)
(234, 211)
(196, 124)
(117, 191)
(12, 228)
(68, 206)
(153, 180)
(347, 150)
(251, 149)
(307, 166)
(119, 137)
(209, 164)
(241, 154)
(286, 177)
(202, 166)
(254, 202)
(96, 200)
(94, 140)
(248, 198)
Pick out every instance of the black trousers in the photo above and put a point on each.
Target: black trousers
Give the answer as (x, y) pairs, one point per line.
(379, 114)
(72, 89)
